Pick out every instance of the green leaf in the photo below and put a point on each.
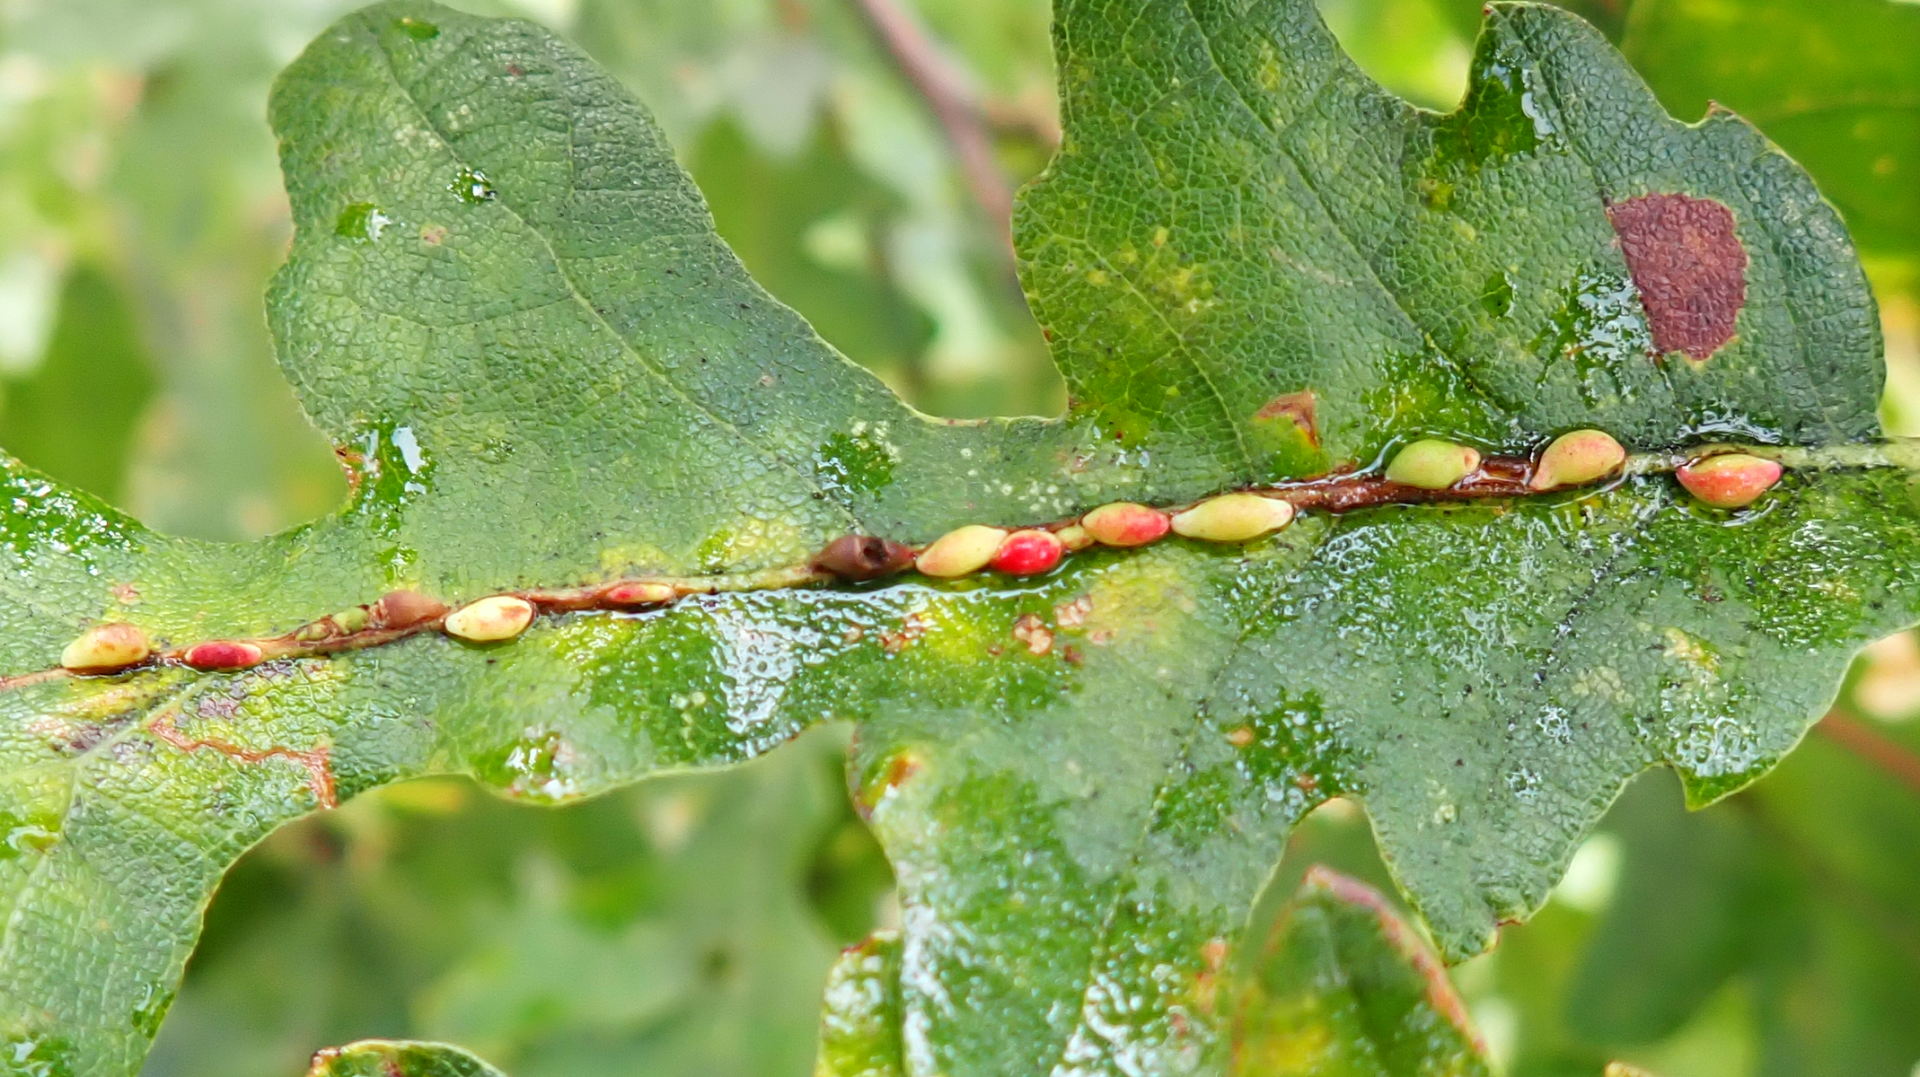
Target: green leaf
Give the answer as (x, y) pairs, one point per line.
(396, 1058)
(1341, 985)
(1835, 86)
(672, 927)
(506, 306)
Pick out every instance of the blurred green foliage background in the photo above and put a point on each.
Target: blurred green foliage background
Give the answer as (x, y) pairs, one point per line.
(685, 926)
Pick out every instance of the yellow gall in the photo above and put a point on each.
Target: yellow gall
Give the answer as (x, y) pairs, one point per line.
(959, 552)
(1233, 518)
(1577, 459)
(1432, 464)
(491, 619)
(1124, 523)
(1730, 480)
(106, 647)
(1074, 538)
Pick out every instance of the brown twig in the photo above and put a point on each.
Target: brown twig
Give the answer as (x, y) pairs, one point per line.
(959, 115)
(1873, 747)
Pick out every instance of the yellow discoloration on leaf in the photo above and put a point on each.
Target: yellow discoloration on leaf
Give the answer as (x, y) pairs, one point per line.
(1602, 682)
(1139, 597)
(621, 560)
(1695, 653)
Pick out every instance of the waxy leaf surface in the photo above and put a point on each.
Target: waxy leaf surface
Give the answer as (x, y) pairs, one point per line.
(506, 306)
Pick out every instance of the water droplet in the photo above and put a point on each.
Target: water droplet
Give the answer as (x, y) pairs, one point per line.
(472, 186)
(409, 447)
(361, 220)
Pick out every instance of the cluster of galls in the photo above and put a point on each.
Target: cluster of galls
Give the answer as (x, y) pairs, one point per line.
(116, 646)
(1724, 480)
(1031, 551)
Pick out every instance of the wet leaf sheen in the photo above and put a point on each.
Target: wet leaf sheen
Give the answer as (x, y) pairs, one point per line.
(507, 307)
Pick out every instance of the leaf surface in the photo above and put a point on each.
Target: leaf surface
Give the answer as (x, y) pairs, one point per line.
(506, 306)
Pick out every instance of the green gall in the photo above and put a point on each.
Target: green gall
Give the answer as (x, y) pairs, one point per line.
(1233, 518)
(491, 619)
(1432, 464)
(315, 631)
(961, 551)
(1577, 459)
(1730, 480)
(106, 647)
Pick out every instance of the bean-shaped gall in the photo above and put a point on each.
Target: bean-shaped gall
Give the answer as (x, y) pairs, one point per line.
(1577, 459)
(961, 551)
(404, 609)
(1432, 464)
(1074, 538)
(1730, 480)
(316, 631)
(1124, 523)
(1233, 518)
(863, 557)
(640, 594)
(223, 654)
(107, 647)
(1028, 553)
(491, 619)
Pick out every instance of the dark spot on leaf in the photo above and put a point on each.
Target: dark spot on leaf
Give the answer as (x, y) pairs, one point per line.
(27, 834)
(1498, 119)
(1296, 408)
(1689, 266)
(154, 1003)
(472, 186)
(717, 964)
(891, 774)
(853, 462)
(40, 1056)
(1496, 296)
(361, 220)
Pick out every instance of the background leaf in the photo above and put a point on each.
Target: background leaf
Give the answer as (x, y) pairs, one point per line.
(1341, 985)
(377, 1058)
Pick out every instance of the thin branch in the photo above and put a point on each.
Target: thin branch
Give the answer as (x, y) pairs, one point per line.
(959, 115)
(1873, 747)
